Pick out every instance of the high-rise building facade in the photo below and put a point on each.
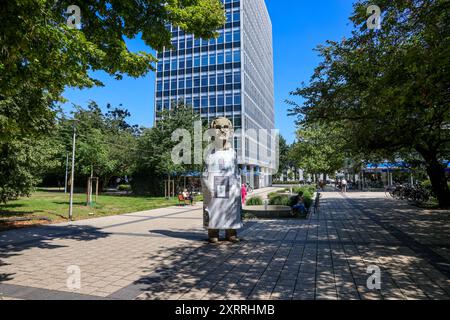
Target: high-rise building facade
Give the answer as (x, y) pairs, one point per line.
(230, 76)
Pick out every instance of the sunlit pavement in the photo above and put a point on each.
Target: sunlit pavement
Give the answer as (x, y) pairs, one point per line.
(163, 254)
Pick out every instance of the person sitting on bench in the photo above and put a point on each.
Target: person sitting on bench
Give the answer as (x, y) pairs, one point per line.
(188, 196)
(298, 204)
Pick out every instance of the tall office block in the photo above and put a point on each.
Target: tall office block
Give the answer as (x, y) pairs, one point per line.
(230, 76)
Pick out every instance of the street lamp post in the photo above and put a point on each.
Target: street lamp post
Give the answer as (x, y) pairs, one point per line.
(67, 173)
(73, 172)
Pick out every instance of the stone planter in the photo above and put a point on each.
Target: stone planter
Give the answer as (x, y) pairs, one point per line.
(268, 212)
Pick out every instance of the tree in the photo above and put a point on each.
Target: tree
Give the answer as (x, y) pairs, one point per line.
(155, 146)
(285, 162)
(319, 149)
(22, 162)
(40, 55)
(105, 142)
(389, 89)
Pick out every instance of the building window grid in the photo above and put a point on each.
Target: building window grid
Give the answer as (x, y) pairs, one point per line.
(210, 74)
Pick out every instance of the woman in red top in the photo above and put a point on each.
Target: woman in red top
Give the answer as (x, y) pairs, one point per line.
(243, 193)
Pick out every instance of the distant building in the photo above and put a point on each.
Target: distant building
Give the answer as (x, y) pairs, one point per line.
(230, 76)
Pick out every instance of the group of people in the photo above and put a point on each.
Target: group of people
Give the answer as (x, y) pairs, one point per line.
(342, 185)
(188, 196)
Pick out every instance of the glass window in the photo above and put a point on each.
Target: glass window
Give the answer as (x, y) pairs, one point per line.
(212, 101)
(196, 61)
(237, 98)
(166, 85)
(159, 86)
(212, 80)
(188, 83)
(220, 39)
(236, 16)
(173, 84)
(220, 79)
(204, 80)
(237, 36)
(220, 100)
(181, 84)
(196, 81)
(205, 101)
(237, 122)
(229, 78)
(196, 102)
(189, 62)
(181, 64)
(174, 64)
(237, 77)
(229, 99)
(204, 60)
(237, 56)
(229, 57)
(220, 58)
(228, 37)
(212, 58)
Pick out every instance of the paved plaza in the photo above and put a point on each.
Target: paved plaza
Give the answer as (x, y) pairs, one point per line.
(163, 254)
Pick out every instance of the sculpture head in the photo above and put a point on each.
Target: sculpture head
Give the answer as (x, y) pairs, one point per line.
(224, 132)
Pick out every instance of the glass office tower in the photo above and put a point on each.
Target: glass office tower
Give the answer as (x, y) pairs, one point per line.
(230, 76)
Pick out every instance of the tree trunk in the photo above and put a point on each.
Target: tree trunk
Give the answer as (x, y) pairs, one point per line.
(436, 172)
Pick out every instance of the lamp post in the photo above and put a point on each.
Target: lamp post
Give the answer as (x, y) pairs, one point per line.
(67, 173)
(73, 171)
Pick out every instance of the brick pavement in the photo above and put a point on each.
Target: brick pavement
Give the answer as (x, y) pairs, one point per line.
(163, 254)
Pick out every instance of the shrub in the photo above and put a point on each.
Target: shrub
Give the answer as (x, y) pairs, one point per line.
(279, 200)
(427, 185)
(273, 194)
(255, 201)
(286, 182)
(124, 187)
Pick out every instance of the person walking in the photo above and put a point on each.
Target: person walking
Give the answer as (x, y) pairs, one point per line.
(344, 185)
(243, 193)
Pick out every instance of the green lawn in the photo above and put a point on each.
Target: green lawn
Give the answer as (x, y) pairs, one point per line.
(55, 206)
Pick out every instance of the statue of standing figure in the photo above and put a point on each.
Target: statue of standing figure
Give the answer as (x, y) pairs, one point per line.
(221, 185)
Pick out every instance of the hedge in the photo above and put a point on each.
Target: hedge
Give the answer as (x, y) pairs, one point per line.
(255, 201)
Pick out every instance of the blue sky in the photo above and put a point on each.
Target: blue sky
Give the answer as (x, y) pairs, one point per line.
(298, 27)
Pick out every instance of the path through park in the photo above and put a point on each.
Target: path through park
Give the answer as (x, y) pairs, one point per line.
(163, 254)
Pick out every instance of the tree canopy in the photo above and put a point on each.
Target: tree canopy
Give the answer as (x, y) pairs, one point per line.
(154, 158)
(389, 88)
(319, 149)
(40, 56)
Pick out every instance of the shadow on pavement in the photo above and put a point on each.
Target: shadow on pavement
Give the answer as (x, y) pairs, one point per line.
(13, 242)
